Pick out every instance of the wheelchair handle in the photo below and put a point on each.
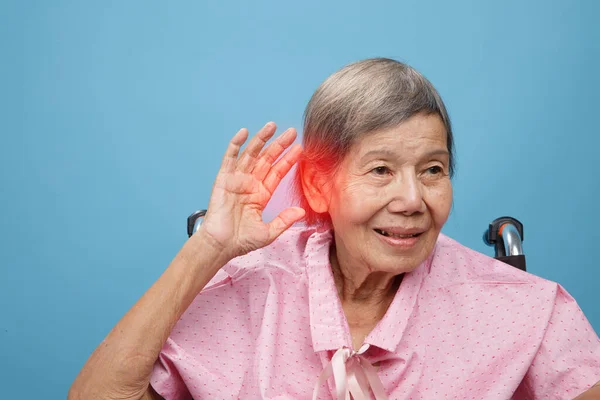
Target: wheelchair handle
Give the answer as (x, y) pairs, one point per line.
(194, 221)
(512, 240)
(506, 235)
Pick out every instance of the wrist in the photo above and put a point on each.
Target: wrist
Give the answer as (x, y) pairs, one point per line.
(213, 253)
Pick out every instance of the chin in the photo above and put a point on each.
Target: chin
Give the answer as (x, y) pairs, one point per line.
(403, 267)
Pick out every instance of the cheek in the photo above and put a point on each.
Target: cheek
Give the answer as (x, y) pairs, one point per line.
(355, 203)
(439, 202)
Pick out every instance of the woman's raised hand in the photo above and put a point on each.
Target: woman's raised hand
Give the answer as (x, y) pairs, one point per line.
(121, 366)
(244, 186)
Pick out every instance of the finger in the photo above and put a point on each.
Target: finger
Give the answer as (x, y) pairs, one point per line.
(256, 144)
(272, 152)
(283, 221)
(233, 149)
(281, 168)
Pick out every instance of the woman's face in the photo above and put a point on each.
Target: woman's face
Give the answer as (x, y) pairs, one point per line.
(391, 196)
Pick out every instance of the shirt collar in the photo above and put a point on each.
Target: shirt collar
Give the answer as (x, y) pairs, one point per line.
(328, 325)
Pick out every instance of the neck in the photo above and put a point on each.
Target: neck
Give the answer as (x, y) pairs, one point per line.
(365, 294)
(358, 284)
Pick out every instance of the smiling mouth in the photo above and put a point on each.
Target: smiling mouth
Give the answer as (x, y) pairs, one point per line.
(396, 235)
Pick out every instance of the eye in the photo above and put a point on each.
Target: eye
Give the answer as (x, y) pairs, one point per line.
(435, 170)
(381, 171)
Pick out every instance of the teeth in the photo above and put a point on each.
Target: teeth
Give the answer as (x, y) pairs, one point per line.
(394, 235)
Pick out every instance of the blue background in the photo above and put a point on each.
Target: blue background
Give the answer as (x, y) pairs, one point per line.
(115, 116)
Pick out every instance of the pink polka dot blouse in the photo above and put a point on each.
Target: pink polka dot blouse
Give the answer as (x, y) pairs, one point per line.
(461, 326)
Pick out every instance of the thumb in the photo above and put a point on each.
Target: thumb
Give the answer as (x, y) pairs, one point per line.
(283, 221)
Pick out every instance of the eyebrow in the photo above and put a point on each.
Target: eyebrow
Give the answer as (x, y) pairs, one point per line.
(390, 154)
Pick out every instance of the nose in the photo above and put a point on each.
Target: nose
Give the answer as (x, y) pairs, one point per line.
(406, 195)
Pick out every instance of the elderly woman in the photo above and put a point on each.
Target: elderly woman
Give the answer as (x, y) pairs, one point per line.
(367, 298)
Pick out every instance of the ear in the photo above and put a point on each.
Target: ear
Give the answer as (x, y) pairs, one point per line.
(315, 188)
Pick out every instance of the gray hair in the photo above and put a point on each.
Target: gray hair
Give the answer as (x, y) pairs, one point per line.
(361, 98)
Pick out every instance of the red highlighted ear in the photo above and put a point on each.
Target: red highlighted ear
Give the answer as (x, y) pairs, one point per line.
(315, 187)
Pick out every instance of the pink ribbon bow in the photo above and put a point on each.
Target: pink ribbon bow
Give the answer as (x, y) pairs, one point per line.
(353, 375)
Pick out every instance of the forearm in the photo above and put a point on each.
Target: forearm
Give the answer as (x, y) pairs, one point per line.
(591, 394)
(126, 356)
(146, 326)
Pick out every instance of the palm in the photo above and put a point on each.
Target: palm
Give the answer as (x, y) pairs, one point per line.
(239, 199)
(243, 188)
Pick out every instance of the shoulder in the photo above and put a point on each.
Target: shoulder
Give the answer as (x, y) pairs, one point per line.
(476, 284)
(454, 263)
(286, 255)
(247, 281)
